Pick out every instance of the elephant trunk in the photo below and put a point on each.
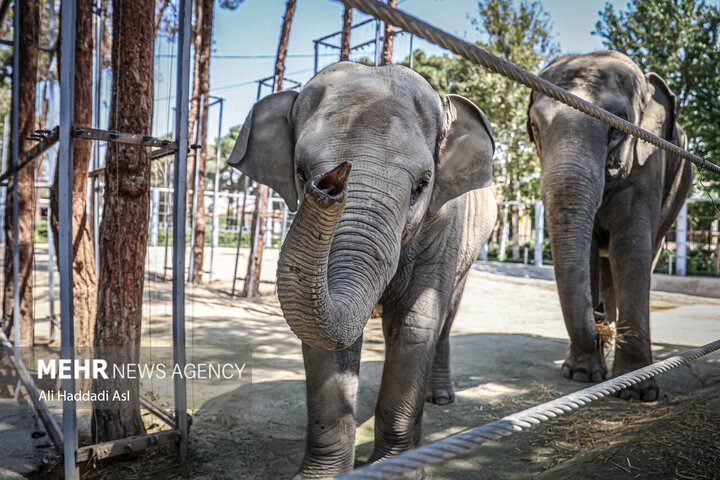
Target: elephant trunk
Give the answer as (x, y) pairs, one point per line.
(327, 283)
(571, 191)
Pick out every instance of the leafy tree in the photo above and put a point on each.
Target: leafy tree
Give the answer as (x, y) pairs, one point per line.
(522, 34)
(680, 41)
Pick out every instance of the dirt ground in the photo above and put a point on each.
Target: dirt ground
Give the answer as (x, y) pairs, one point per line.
(508, 344)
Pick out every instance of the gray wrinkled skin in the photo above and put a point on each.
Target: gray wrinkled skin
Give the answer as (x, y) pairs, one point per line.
(401, 232)
(610, 199)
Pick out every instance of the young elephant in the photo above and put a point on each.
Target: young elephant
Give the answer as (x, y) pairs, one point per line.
(392, 183)
(610, 199)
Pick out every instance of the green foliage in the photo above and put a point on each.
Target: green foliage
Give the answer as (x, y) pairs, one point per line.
(229, 177)
(522, 34)
(680, 41)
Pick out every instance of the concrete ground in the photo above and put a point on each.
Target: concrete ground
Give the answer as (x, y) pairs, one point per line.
(508, 344)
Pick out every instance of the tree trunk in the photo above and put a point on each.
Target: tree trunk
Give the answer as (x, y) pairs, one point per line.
(387, 50)
(251, 289)
(345, 35)
(194, 108)
(204, 84)
(283, 45)
(84, 273)
(256, 248)
(123, 232)
(29, 21)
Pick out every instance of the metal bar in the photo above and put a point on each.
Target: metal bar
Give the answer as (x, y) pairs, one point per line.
(87, 133)
(179, 185)
(681, 241)
(51, 426)
(31, 154)
(65, 246)
(196, 179)
(14, 165)
(6, 135)
(361, 45)
(158, 412)
(539, 232)
(365, 22)
(458, 444)
(377, 42)
(315, 68)
(51, 274)
(240, 232)
(94, 182)
(125, 446)
(216, 192)
(154, 215)
(496, 64)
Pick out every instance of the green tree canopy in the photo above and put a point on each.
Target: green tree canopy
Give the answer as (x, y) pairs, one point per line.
(522, 34)
(680, 41)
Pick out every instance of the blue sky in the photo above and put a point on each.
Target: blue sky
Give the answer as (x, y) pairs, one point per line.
(253, 31)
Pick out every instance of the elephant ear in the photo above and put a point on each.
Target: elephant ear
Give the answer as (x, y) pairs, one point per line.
(265, 148)
(465, 152)
(658, 117)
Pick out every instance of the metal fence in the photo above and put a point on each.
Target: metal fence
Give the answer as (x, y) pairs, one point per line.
(691, 247)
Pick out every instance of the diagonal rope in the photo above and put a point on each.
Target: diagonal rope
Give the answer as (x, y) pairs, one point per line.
(463, 442)
(496, 64)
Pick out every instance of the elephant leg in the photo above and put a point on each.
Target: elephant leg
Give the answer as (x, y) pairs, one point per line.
(410, 339)
(580, 366)
(441, 391)
(631, 258)
(331, 383)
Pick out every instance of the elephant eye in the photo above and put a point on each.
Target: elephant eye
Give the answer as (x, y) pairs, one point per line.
(301, 174)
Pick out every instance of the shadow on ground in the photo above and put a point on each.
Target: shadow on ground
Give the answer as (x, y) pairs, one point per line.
(257, 431)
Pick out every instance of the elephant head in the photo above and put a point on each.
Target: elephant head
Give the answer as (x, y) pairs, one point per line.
(583, 161)
(363, 154)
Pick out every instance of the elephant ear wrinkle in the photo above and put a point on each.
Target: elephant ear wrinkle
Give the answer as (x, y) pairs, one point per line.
(464, 158)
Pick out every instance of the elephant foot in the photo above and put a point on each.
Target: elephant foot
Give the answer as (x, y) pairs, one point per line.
(584, 367)
(440, 395)
(316, 473)
(646, 391)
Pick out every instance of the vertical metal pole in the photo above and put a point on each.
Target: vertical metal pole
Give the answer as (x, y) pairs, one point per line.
(315, 69)
(412, 60)
(95, 181)
(5, 142)
(154, 216)
(13, 162)
(539, 232)
(484, 252)
(3, 207)
(681, 241)
(216, 192)
(378, 48)
(51, 275)
(179, 184)
(65, 246)
(191, 270)
(240, 231)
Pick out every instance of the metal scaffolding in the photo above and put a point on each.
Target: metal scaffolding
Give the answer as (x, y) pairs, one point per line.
(65, 438)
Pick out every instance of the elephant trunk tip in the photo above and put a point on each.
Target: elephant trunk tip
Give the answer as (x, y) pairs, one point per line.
(332, 184)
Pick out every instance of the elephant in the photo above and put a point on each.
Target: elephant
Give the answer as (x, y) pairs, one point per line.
(392, 187)
(610, 199)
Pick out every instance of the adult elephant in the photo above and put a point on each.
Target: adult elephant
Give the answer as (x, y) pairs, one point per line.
(610, 199)
(392, 183)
